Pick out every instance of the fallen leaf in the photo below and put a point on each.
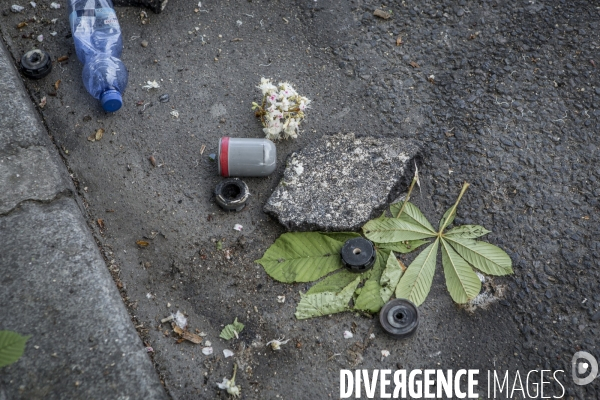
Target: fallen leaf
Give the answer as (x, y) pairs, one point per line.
(100, 223)
(152, 161)
(232, 330)
(237, 39)
(62, 58)
(21, 25)
(414, 64)
(99, 134)
(382, 14)
(399, 41)
(57, 84)
(142, 243)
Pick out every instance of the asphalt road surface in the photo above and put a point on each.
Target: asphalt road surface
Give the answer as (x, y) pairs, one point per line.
(502, 94)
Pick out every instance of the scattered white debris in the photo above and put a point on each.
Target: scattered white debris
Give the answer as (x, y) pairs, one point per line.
(277, 343)
(54, 5)
(33, 4)
(203, 334)
(227, 353)
(384, 354)
(175, 113)
(207, 351)
(437, 353)
(180, 319)
(53, 20)
(53, 33)
(281, 299)
(372, 336)
(16, 8)
(151, 85)
(149, 349)
(40, 38)
(230, 386)
(208, 343)
(167, 319)
(238, 227)
(348, 335)
(199, 4)
(149, 296)
(239, 23)
(42, 102)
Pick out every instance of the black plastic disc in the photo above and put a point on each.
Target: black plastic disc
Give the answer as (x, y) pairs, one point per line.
(36, 64)
(399, 318)
(358, 254)
(232, 194)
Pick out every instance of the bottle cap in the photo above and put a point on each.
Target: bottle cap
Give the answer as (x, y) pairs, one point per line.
(399, 318)
(358, 254)
(36, 64)
(111, 100)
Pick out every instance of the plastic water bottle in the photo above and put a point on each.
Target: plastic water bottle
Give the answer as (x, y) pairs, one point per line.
(98, 44)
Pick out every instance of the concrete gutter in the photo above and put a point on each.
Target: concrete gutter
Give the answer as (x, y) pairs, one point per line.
(54, 284)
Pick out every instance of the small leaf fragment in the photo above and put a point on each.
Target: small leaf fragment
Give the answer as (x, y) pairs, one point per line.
(414, 64)
(302, 257)
(412, 214)
(325, 303)
(391, 230)
(100, 223)
(62, 58)
(390, 277)
(467, 231)
(142, 243)
(461, 281)
(416, 280)
(403, 247)
(333, 283)
(369, 298)
(99, 133)
(484, 256)
(57, 84)
(12, 347)
(232, 330)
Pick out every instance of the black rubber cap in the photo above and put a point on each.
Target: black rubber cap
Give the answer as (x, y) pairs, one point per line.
(399, 318)
(36, 64)
(358, 254)
(232, 194)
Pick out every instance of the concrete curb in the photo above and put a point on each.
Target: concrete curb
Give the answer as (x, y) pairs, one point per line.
(55, 284)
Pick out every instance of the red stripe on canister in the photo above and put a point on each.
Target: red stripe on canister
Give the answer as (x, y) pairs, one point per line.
(224, 156)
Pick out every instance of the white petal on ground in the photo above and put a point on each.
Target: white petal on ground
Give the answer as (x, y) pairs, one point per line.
(207, 351)
(384, 354)
(227, 353)
(348, 335)
(281, 299)
(180, 319)
(238, 227)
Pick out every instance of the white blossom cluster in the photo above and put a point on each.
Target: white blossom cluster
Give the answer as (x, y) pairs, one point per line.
(281, 110)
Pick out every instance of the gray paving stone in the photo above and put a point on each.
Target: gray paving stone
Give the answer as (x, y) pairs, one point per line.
(31, 173)
(340, 182)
